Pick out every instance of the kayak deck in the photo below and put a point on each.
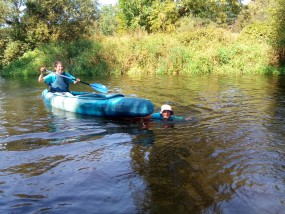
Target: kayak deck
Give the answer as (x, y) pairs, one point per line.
(102, 105)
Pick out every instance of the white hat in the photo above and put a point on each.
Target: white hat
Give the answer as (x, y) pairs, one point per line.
(166, 108)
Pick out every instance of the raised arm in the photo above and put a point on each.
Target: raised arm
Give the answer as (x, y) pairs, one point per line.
(41, 77)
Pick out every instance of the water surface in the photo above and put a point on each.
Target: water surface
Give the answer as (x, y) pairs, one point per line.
(227, 158)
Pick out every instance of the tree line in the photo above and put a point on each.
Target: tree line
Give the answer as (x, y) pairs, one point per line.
(28, 24)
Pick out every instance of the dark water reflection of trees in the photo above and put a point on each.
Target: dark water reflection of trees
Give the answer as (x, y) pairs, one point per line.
(181, 175)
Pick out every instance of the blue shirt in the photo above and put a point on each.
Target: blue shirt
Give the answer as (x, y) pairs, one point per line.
(158, 116)
(52, 77)
(58, 83)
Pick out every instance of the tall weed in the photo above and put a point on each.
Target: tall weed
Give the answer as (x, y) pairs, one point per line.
(207, 49)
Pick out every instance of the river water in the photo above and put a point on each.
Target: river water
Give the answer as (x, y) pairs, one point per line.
(229, 157)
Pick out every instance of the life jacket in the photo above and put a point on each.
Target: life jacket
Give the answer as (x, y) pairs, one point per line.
(60, 84)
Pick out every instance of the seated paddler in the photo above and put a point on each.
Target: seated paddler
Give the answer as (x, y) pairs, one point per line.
(58, 82)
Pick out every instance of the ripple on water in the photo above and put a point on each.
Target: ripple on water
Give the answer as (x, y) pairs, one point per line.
(231, 160)
(42, 139)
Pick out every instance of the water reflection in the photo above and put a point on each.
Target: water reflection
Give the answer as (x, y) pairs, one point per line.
(215, 168)
(181, 175)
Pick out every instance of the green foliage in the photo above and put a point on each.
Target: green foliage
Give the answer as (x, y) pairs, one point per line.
(258, 32)
(58, 20)
(25, 66)
(13, 51)
(81, 57)
(33, 22)
(256, 12)
(219, 11)
(191, 23)
(107, 21)
(3, 13)
(278, 22)
(203, 49)
(181, 45)
(3, 44)
(162, 16)
(150, 15)
(11, 15)
(134, 14)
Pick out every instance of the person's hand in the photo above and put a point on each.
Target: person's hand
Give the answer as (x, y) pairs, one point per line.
(77, 81)
(43, 70)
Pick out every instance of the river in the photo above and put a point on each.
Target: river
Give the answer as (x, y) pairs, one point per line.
(229, 157)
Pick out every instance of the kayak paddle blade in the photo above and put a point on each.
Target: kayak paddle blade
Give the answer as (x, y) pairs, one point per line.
(99, 87)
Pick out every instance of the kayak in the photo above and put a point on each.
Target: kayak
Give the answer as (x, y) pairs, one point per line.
(101, 105)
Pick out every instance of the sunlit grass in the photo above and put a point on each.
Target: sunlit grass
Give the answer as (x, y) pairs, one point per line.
(195, 48)
(202, 51)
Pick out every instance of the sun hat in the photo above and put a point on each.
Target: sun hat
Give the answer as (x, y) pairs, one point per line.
(166, 108)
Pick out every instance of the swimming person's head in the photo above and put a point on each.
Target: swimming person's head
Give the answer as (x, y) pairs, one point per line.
(166, 111)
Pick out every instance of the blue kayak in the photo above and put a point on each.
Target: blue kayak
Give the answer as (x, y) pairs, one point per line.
(101, 105)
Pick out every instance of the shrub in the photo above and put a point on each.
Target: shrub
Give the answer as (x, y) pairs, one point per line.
(13, 51)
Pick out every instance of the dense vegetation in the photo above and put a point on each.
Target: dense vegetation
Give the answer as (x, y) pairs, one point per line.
(143, 36)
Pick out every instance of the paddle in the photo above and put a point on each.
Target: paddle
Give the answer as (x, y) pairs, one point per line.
(96, 86)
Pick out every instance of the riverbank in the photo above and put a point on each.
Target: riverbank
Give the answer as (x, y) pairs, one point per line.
(190, 50)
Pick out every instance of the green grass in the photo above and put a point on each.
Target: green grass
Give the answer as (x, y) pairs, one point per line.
(80, 57)
(191, 49)
(206, 50)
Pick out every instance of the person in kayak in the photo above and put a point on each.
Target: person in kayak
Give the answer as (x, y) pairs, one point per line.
(56, 81)
(166, 114)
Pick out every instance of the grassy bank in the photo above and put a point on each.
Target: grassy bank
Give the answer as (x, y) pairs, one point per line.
(79, 57)
(208, 50)
(191, 49)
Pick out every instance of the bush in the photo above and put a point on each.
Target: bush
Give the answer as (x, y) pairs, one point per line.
(13, 51)
(81, 57)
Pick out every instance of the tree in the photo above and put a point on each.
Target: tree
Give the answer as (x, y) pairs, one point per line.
(161, 15)
(11, 12)
(36, 21)
(134, 14)
(266, 18)
(278, 22)
(12, 39)
(28, 23)
(56, 20)
(107, 21)
(220, 11)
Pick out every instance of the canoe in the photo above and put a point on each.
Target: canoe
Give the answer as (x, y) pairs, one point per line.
(101, 105)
